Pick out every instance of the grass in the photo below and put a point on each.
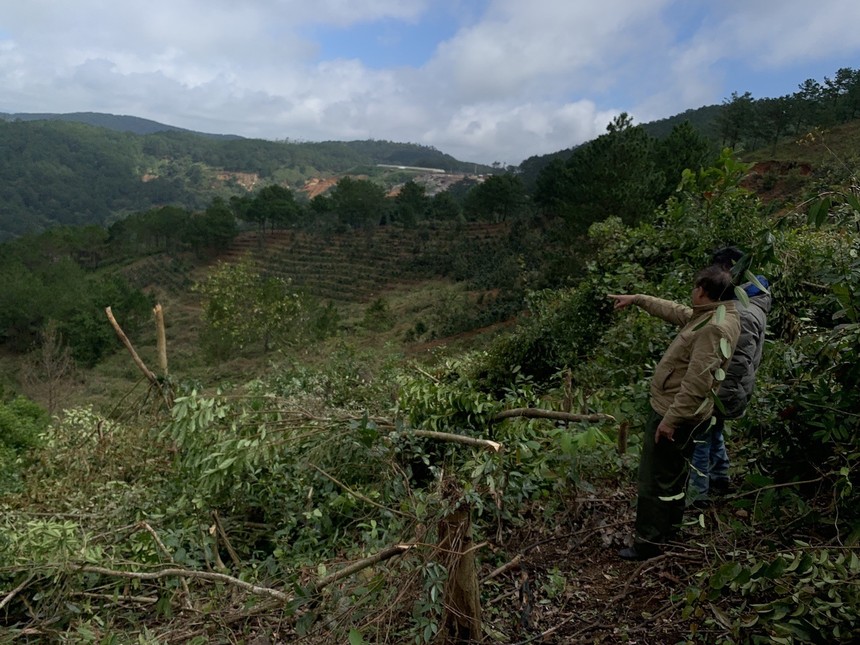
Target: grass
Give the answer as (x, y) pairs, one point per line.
(816, 149)
(116, 384)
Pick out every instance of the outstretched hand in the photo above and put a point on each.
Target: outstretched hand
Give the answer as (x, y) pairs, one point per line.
(622, 300)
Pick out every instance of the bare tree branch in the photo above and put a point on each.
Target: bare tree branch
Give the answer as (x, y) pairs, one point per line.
(536, 413)
(458, 438)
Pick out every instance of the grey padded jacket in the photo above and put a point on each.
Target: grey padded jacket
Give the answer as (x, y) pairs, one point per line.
(737, 388)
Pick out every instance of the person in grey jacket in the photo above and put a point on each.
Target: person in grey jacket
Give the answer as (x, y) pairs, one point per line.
(709, 472)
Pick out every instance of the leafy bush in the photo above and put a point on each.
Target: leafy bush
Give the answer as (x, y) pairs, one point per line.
(21, 424)
(807, 595)
(562, 329)
(377, 316)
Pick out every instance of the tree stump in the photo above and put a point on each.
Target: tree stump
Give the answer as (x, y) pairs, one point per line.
(461, 618)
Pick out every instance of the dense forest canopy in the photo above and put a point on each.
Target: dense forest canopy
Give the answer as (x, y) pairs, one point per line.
(54, 172)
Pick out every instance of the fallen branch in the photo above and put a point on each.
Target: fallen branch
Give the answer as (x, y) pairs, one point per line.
(537, 413)
(626, 588)
(358, 495)
(495, 446)
(227, 545)
(513, 564)
(187, 573)
(143, 600)
(355, 567)
(151, 531)
(147, 373)
(16, 591)
(771, 487)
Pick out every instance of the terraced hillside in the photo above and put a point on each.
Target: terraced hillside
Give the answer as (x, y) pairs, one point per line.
(358, 266)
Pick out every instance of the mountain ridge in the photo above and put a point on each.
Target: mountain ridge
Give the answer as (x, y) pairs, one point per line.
(118, 122)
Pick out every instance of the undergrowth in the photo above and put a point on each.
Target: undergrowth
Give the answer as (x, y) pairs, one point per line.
(236, 515)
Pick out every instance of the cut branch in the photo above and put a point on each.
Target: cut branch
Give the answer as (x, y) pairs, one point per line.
(151, 531)
(321, 583)
(223, 535)
(459, 438)
(187, 573)
(148, 373)
(358, 495)
(537, 413)
(513, 564)
(161, 338)
(16, 591)
(355, 567)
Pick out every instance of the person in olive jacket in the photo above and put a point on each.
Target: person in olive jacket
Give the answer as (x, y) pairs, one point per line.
(710, 461)
(680, 400)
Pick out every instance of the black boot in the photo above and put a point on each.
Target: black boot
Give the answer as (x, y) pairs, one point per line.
(640, 551)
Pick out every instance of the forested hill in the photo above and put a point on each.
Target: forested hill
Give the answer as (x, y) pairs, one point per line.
(93, 169)
(120, 123)
(743, 122)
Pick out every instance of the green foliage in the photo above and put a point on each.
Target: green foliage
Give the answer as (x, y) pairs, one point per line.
(172, 230)
(358, 203)
(497, 198)
(377, 316)
(800, 596)
(562, 330)
(22, 423)
(452, 403)
(39, 286)
(411, 204)
(307, 467)
(273, 205)
(615, 174)
(245, 308)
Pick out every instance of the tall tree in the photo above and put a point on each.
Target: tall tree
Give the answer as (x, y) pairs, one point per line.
(684, 148)
(443, 206)
(773, 118)
(273, 205)
(497, 198)
(735, 118)
(615, 174)
(410, 204)
(808, 104)
(358, 202)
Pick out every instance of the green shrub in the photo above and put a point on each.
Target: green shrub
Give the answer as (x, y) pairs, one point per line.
(21, 424)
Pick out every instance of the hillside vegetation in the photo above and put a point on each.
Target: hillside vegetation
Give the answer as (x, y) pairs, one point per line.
(55, 172)
(325, 449)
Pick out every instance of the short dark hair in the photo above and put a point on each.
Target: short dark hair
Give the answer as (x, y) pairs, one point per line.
(716, 283)
(727, 256)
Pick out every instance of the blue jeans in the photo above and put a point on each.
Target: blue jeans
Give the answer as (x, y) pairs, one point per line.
(710, 462)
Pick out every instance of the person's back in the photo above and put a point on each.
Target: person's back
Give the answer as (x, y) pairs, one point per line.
(710, 464)
(738, 386)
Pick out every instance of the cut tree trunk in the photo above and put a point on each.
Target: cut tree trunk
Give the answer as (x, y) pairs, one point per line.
(461, 619)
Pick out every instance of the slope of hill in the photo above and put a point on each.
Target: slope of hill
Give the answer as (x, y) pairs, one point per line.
(119, 123)
(92, 169)
(348, 268)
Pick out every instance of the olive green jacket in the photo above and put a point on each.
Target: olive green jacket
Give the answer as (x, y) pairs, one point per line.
(685, 376)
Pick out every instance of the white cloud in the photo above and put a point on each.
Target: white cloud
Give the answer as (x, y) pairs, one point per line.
(515, 79)
(544, 46)
(772, 36)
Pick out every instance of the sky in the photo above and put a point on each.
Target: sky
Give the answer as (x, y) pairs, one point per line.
(483, 80)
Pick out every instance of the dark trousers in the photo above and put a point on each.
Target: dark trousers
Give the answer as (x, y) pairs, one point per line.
(663, 470)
